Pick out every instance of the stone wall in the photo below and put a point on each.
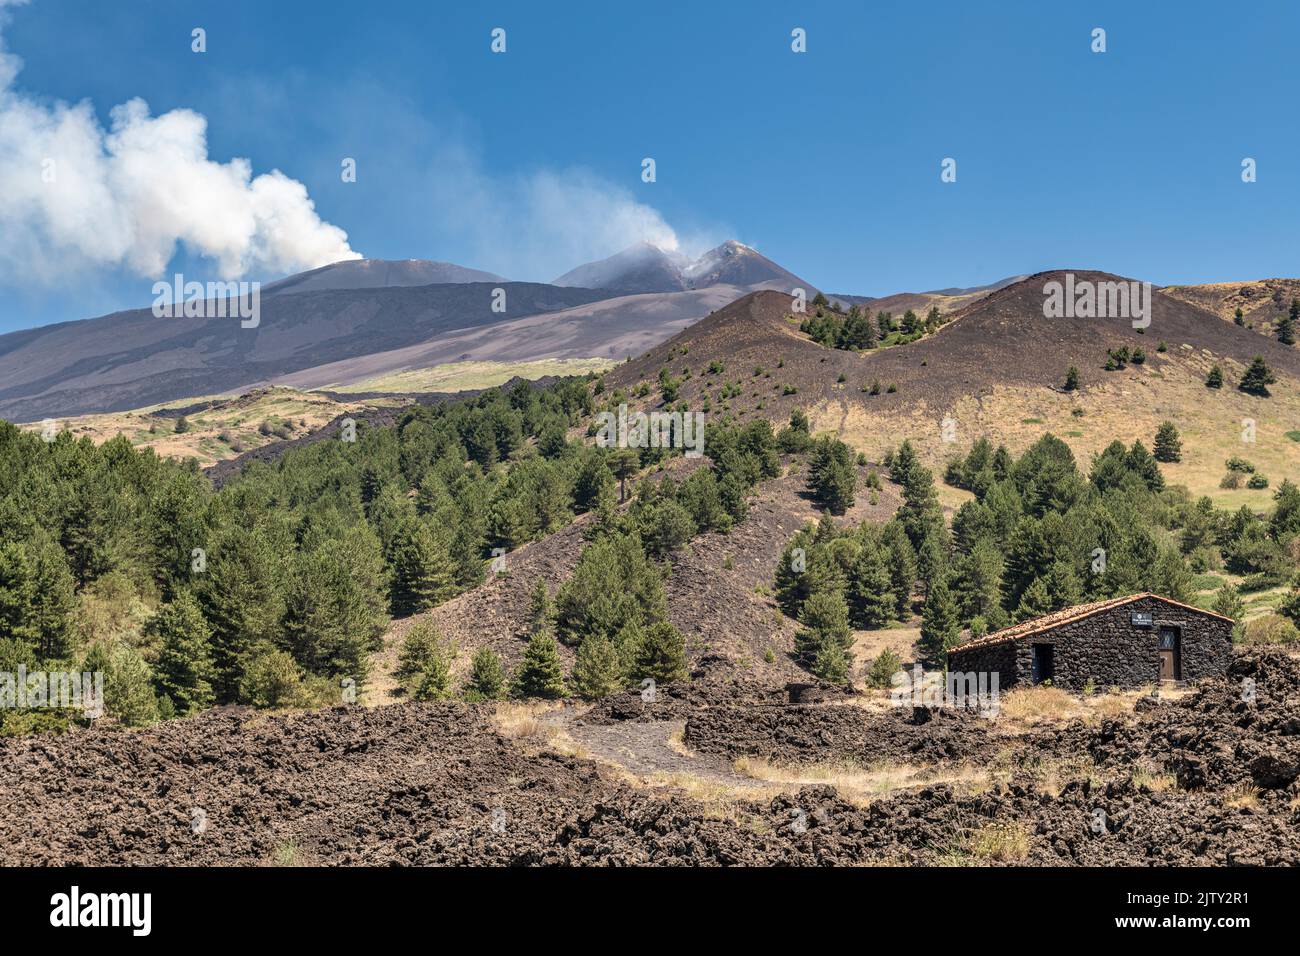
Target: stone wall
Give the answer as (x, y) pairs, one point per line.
(991, 658)
(1109, 648)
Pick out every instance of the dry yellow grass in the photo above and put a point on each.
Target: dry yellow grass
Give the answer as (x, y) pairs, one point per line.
(677, 742)
(459, 376)
(867, 646)
(1153, 780)
(228, 428)
(999, 842)
(1242, 795)
(526, 724)
(1035, 705)
(706, 789)
(1051, 775)
(1026, 707)
(859, 784)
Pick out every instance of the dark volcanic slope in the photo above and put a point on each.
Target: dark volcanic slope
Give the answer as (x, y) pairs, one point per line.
(1003, 338)
(641, 268)
(378, 274)
(132, 359)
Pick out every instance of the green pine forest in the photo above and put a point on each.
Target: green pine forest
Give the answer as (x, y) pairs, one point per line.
(275, 589)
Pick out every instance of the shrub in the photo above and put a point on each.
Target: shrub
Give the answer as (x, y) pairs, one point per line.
(487, 676)
(418, 649)
(596, 670)
(661, 656)
(1257, 378)
(883, 668)
(272, 679)
(1270, 629)
(540, 674)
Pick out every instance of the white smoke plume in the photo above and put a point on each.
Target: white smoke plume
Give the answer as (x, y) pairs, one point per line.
(538, 225)
(74, 196)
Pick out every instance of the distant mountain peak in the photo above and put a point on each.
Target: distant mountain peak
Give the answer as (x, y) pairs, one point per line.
(379, 274)
(646, 267)
(641, 267)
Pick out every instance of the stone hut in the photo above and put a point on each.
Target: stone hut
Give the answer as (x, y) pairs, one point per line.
(1123, 642)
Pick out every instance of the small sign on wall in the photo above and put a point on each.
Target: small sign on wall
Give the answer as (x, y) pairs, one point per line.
(1142, 619)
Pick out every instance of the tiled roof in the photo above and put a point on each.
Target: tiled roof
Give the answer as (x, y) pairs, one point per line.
(1049, 621)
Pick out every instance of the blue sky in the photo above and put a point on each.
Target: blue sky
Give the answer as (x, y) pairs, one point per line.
(827, 161)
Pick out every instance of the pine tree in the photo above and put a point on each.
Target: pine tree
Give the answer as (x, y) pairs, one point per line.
(434, 681)
(541, 609)
(597, 671)
(1072, 379)
(940, 630)
(242, 597)
(1257, 378)
(1215, 378)
(185, 671)
(1143, 464)
(540, 673)
(1238, 317)
(870, 589)
(1167, 446)
(1063, 586)
(1228, 602)
(831, 662)
(18, 595)
(423, 574)
(831, 474)
(625, 463)
(1286, 326)
(487, 677)
(336, 605)
(594, 483)
(979, 579)
(902, 462)
(613, 583)
(467, 548)
(825, 617)
(902, 568)
(1035, 601)
(661, 656)
(419, 647)
(920, 514)
(128, 687)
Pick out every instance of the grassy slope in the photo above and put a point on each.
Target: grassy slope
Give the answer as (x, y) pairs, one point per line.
(227, 428)
(463, 376)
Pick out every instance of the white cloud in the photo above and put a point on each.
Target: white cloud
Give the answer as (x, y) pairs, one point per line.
(74, 196)
(541, 224)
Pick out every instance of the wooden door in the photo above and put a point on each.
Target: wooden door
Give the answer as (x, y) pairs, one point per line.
(1170, 665)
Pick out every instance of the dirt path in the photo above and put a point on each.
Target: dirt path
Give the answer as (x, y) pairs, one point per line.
(653, 752)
